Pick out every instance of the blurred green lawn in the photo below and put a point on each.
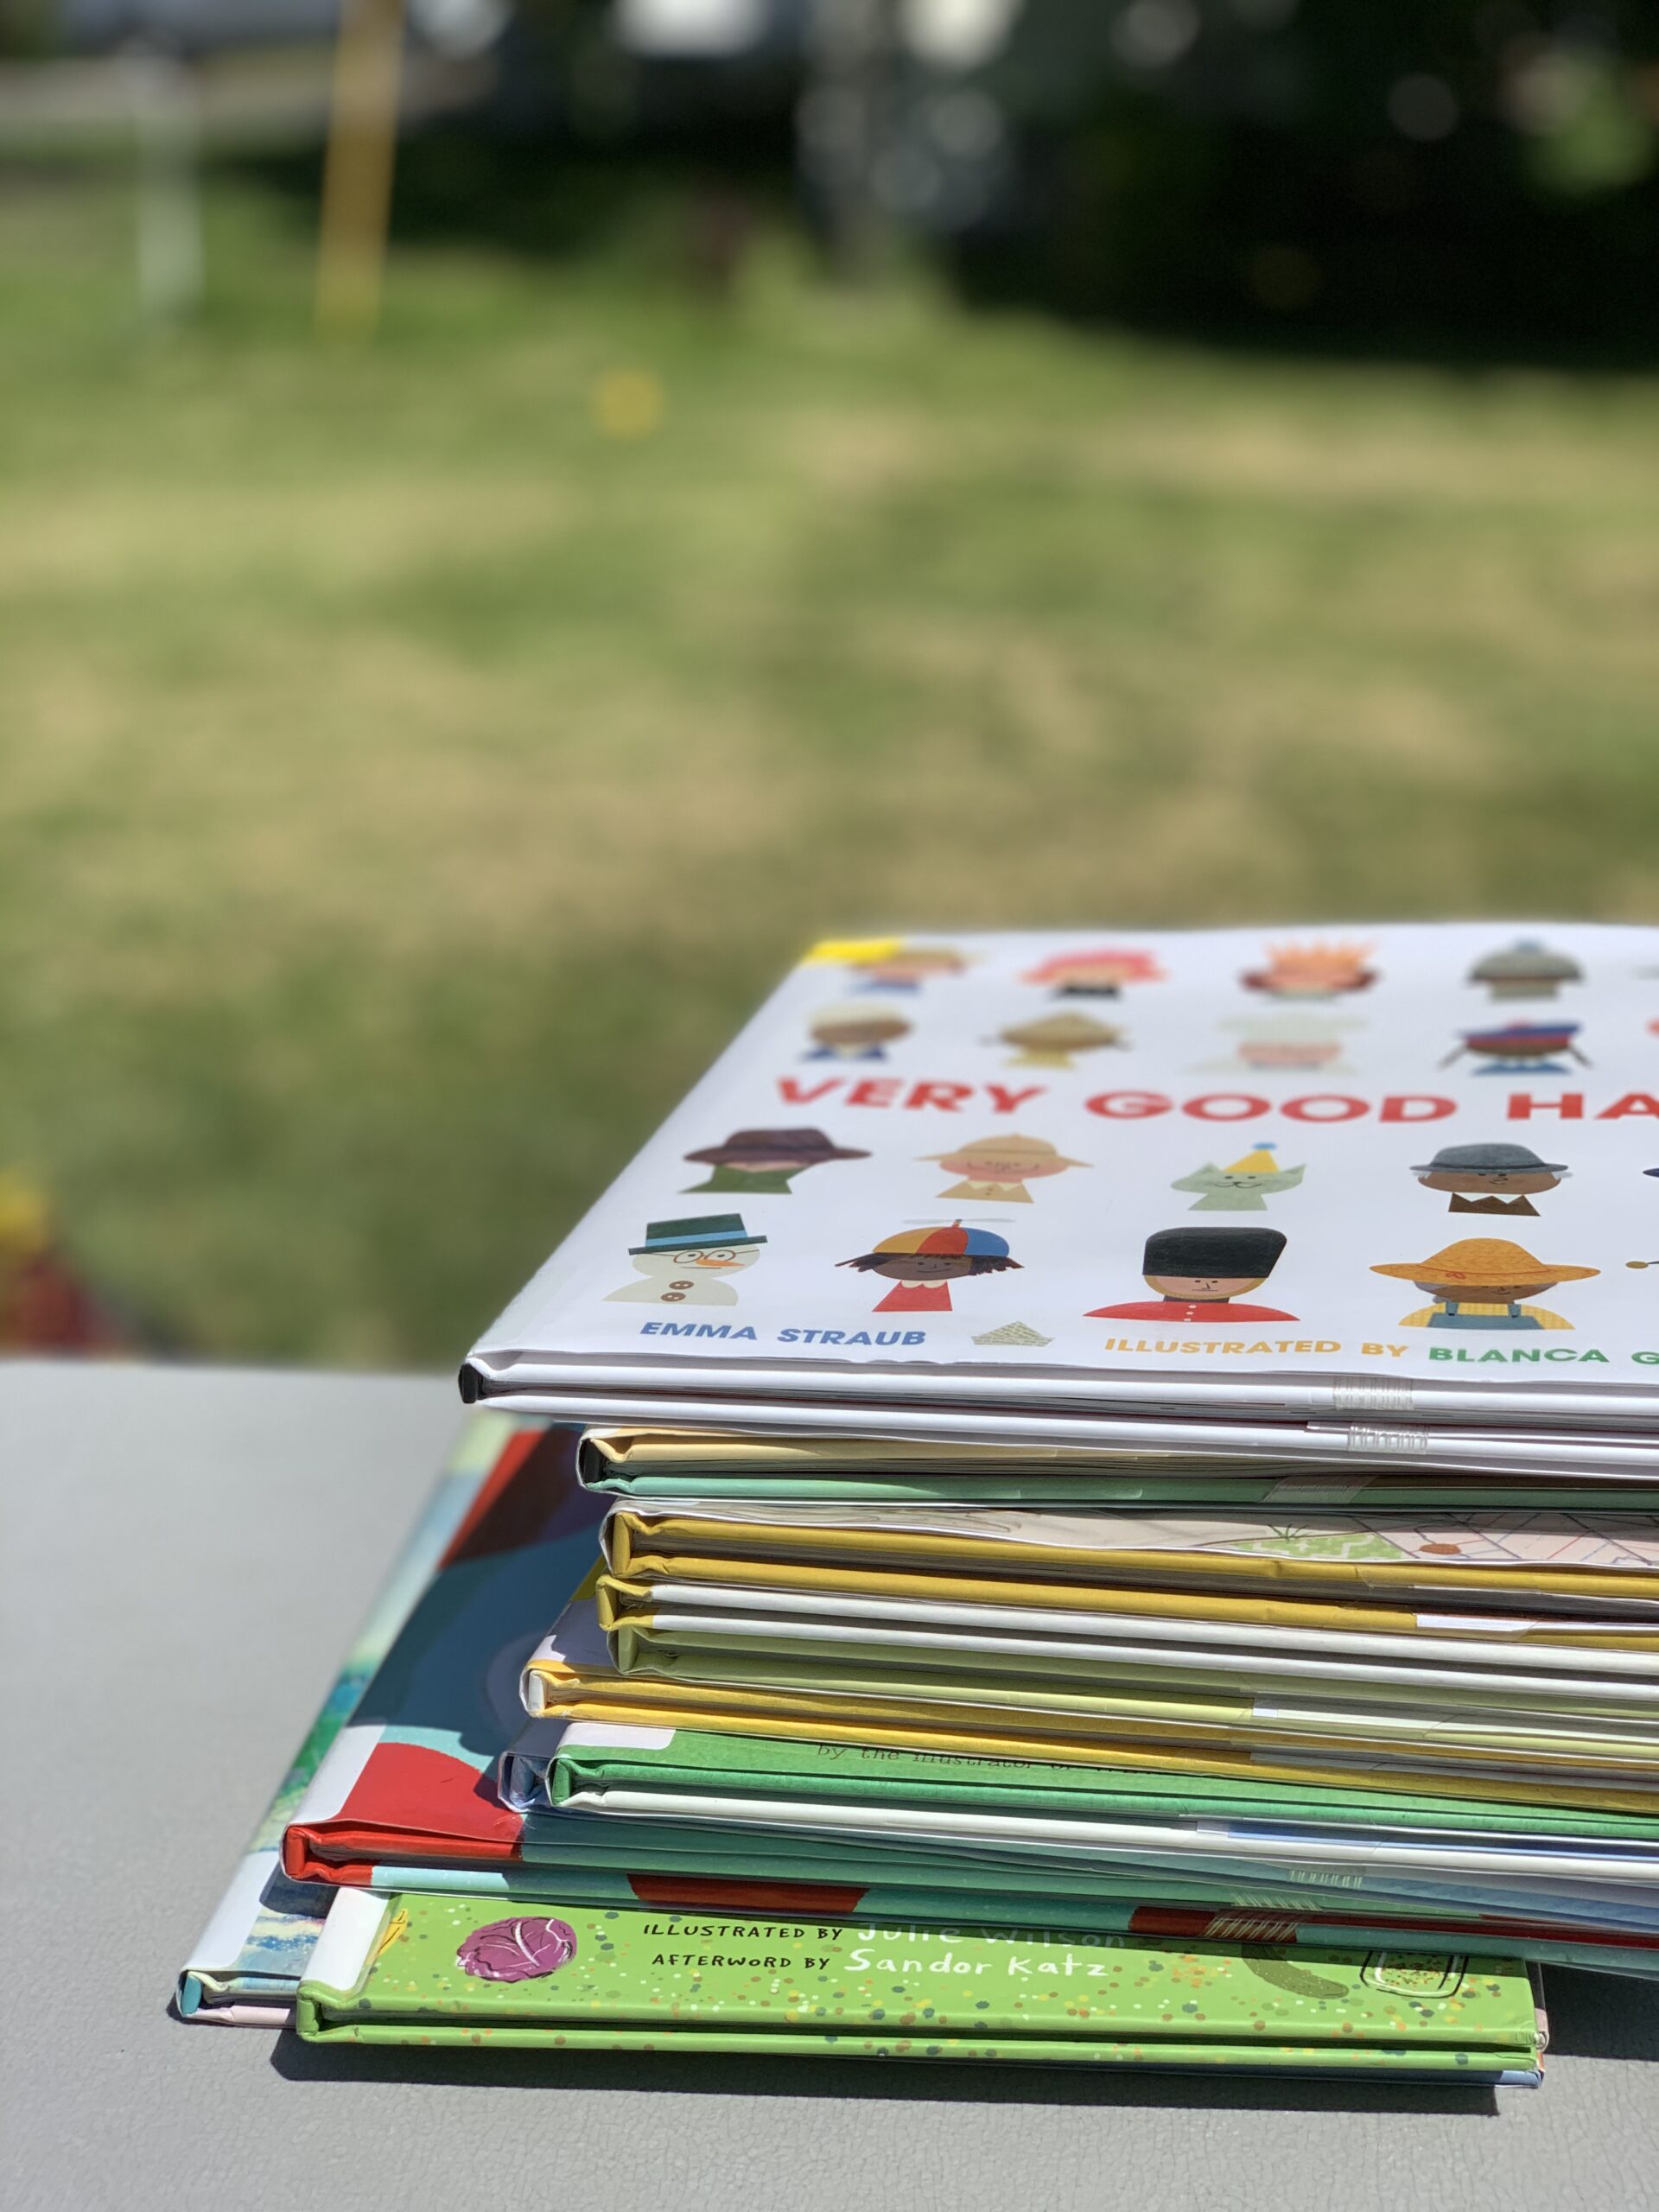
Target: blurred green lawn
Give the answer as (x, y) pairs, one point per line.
(406, 788)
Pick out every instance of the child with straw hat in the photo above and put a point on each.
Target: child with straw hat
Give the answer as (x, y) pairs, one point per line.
(1479, 1283)
(1000, 1166)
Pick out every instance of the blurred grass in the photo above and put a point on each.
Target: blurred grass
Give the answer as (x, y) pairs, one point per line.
(405, 789)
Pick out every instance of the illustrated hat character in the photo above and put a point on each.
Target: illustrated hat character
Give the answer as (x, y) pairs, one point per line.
(863, 953)
(1244, 1185)
(1490, 1160)
(807, 1146)
(919, 959)
(701, 1233)
(1476, 1263)
(955, 1243)
(1320, 970)
(1097, 972)
(1527, 970)
(1292, 1041)
(1011, 1151)
(1225, 1252)
(1063, 1033)
(860, 1017)
(1522, 1038)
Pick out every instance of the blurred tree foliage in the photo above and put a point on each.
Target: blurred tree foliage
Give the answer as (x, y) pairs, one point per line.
(1441, 169)
(25, 28)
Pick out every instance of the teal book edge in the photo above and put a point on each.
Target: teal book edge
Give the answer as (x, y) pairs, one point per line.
(244, 1969)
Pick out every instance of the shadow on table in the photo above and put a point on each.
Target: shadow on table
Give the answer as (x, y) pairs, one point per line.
(1601, 2016)
(1591, 2015)
(939, 2081)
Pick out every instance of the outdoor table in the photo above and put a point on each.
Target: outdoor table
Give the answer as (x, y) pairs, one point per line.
(186, 1553)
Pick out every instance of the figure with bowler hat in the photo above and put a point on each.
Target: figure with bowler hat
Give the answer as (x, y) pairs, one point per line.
(1489, 1178)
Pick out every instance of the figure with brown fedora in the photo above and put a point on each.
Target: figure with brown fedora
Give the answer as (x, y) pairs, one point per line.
(1489, 1178)
(1480, 1282)
(1000, 1166)
(766, 1159)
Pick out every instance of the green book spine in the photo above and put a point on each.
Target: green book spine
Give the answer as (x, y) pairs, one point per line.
(699, 1760)
(455, 1970)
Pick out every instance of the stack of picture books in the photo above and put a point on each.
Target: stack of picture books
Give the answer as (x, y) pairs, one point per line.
(1028, 1524)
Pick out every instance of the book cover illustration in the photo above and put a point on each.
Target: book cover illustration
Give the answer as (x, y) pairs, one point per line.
(413, 1775)
(457, 1970)
(244, 1969)
(1169, 1183)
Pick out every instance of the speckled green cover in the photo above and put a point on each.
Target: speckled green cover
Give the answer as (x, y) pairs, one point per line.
(406, 1971)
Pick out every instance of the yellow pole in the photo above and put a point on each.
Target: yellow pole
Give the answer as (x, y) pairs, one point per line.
(357, 173)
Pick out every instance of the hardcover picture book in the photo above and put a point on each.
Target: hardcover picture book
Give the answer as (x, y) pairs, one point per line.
(244, 1969)
(1226, 1196)
(411, 1777)
(1309, 1733)
(458, 1971)
(650, 1463)
(1089, 1499)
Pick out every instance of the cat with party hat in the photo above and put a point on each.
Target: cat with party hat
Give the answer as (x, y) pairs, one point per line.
(1243, 1188)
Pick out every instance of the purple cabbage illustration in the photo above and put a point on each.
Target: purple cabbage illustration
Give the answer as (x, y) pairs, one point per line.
(517, 1950)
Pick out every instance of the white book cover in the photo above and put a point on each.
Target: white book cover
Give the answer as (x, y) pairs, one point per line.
(1407, 1172)
(1216, 1845)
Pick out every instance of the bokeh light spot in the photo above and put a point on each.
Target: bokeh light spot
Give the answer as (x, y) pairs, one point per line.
(627, 403)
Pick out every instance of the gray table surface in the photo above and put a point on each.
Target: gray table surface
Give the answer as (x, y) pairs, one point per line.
(186, 1553)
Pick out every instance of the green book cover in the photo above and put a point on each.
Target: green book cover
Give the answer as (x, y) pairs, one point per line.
(655, 1463)
(456, 1970)
(691, 1761)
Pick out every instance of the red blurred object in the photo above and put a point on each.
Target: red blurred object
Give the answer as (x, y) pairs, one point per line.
(45, 1305)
